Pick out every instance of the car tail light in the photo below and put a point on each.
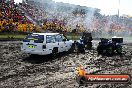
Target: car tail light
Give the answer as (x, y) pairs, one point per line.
(44, 46)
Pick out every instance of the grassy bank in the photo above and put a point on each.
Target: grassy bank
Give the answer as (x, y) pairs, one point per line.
(6, 36)
(13, 35)
(21, 36)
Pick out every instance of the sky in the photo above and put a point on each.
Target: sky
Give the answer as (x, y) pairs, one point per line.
(107, 7)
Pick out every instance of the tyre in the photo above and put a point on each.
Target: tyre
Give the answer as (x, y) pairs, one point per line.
(71, 50)
(83, 51)
(119, 49)
(33, 55)
(54, 52)
(89, 45)
(99, 49)
(81, 48)
(76, 49)
(109, 50)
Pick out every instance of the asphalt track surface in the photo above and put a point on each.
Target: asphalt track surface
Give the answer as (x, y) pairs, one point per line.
(20, 70)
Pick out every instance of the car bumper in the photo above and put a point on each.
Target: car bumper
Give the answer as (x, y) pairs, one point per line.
(42, 52)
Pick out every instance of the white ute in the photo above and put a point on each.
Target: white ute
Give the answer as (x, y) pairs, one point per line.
(46, 43)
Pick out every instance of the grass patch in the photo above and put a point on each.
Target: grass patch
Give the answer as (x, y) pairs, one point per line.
(13, 35)
(73, 37)
(6, 36)
(21, 36)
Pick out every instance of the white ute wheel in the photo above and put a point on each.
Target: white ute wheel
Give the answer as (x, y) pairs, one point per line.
(54, 52)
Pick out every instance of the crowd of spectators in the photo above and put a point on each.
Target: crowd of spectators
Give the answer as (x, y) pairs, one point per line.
(53, 18)
(113, 25)
(61, 17)
(31, 10)
(93, 21)
(13, 19)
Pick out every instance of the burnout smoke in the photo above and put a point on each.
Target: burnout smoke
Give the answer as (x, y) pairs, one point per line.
(87, 18)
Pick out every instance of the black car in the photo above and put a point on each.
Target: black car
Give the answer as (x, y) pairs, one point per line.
(108, 47)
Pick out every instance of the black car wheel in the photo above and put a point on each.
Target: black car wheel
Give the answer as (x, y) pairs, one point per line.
(109, 50)
(119, 50)
(89, 45)
(71, 50)
(99, 49)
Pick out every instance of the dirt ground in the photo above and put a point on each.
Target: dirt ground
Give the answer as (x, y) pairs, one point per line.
(20, 70)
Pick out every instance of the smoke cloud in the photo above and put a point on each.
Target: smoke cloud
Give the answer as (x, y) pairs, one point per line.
(86, 17)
